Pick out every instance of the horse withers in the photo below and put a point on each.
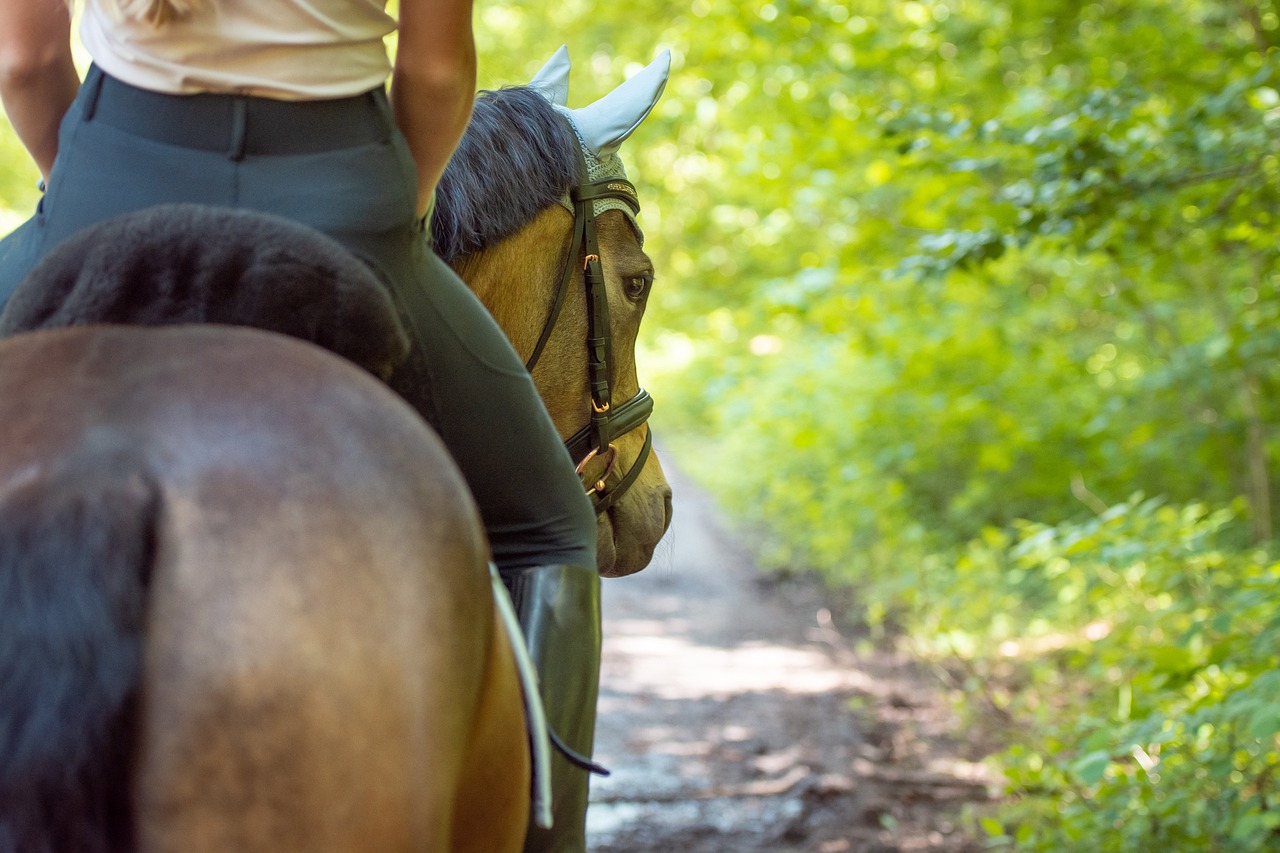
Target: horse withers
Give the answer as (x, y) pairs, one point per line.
(217, 577)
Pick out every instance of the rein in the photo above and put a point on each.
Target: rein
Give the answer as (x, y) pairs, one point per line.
(607, 423)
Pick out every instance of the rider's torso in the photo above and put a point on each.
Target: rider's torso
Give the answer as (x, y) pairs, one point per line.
(287, 49)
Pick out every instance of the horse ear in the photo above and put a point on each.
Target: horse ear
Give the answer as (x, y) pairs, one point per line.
(552, 80)
(607, 123)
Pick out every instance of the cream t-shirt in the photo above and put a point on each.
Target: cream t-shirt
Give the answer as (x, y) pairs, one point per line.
(287, 49)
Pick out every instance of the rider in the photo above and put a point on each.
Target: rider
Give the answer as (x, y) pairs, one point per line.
(281, 107)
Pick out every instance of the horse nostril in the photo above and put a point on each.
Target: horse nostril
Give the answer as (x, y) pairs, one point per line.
(666, 508)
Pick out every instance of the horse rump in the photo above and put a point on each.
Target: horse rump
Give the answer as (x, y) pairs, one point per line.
(76, 546)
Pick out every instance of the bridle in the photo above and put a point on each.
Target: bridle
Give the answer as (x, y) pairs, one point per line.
(608, 422)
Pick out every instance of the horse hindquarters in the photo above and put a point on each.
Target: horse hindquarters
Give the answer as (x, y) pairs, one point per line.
(302, 700)
(311, 652)
(76, 547)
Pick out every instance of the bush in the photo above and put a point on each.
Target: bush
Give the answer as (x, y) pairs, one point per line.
(1150, 646)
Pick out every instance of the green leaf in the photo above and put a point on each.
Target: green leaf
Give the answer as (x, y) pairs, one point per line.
(992, 827)
(1264, 722)
(1090, 768)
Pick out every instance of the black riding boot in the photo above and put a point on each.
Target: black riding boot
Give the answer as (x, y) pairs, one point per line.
(559, 611)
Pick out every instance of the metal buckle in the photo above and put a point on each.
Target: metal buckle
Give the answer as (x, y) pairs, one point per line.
(610, 467)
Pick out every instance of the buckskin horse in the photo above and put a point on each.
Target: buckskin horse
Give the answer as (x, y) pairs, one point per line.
(243, 589)
(502, 208)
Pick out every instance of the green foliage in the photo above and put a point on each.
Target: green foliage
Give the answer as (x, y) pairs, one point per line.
(929, 269)
(18, 176)
(945, 266)
(941, 284)
(1156, 641)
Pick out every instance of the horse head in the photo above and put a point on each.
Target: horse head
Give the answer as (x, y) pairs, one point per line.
(537, 216)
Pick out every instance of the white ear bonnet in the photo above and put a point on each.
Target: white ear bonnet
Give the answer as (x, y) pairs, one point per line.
(602, 127)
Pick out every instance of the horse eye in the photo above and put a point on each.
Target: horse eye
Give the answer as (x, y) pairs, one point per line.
(638, 286)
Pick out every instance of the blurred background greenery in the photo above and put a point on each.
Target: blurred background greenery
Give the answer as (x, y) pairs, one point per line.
(971, 307)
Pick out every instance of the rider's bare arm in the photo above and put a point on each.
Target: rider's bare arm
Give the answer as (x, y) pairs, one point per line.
(38, 79)
(433, 85)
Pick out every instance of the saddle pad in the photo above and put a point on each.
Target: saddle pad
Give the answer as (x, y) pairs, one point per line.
(184, 263)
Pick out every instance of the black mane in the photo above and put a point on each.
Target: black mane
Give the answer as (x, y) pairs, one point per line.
(517, 157)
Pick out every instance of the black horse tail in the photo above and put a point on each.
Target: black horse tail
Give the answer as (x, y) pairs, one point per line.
(77, 542)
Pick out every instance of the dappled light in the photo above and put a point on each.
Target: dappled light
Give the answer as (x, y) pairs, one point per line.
(737, 719)
(709, 672)
(968, 311)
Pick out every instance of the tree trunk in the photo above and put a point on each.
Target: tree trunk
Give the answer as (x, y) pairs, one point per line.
(1257, 474)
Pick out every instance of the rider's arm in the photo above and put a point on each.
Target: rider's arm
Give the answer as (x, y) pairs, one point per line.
(433, 84)
(38, 79)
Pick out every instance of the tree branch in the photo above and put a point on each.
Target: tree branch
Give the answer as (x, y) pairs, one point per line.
(1253, 16)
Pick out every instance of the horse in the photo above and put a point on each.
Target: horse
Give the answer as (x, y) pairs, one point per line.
(501, 206)
(229, 623)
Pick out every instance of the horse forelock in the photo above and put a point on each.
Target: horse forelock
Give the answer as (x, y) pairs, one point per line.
(517, 158)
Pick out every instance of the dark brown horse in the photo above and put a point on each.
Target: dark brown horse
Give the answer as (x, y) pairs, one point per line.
(243, 568)
(230, 625)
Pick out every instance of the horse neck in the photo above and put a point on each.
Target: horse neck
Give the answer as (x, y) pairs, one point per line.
(517, 277)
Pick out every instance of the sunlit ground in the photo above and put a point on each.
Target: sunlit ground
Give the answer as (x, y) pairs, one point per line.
(672, 667)
(735, 717)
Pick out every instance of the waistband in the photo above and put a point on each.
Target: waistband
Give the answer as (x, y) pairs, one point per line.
(239, 125)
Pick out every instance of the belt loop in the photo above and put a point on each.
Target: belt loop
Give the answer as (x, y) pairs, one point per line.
(239, 123)
(92, 89)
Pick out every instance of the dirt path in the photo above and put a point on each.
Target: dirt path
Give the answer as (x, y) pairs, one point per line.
(737, 720)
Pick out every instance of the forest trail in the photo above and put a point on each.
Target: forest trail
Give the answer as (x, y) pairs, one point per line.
(736, 719)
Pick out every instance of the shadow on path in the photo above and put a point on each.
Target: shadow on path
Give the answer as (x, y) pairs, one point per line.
(737, 720)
